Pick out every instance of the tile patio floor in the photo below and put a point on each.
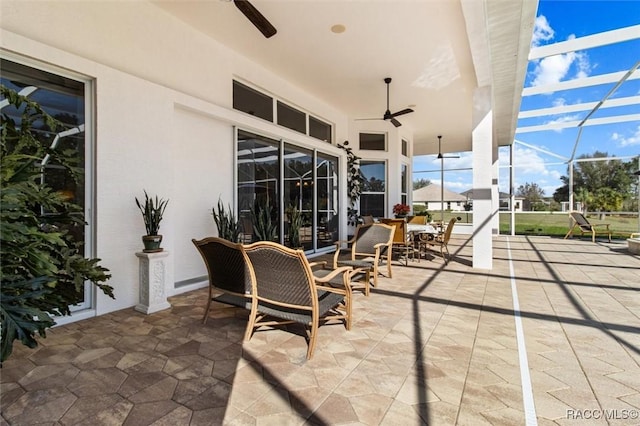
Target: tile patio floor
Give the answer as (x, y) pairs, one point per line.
(434, 345)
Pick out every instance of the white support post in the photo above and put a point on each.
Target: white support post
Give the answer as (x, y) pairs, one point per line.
(152, 281)
(484, 208)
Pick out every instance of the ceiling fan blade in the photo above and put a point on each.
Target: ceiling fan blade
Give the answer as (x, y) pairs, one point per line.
(256, 18)
(403, 112)
(368, 119)
(396, 122)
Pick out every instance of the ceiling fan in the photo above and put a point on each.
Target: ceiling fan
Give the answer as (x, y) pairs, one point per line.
(387, 114)
(440, 156)
(256, 18)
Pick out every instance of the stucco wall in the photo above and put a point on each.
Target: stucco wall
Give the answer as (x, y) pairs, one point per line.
(164, 121)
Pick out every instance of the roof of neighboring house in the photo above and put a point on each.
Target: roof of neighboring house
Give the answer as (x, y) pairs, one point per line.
(469, 193)
(432, 193)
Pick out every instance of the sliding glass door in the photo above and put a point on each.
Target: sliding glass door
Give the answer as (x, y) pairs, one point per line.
(281, 178)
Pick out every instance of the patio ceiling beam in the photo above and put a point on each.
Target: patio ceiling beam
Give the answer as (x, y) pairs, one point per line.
(590, 122)
(579, 83)
(563, 109)
(587, 42)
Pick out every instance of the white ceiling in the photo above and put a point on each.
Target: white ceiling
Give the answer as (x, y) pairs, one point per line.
(436, 51)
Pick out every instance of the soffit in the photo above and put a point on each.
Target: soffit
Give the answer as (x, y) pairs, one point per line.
(423, 45)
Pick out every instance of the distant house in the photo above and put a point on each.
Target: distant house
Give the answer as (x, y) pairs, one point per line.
(505, 200)
(433, 197)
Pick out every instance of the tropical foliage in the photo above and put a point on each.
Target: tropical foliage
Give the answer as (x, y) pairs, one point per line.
(264, 226)
(532, 196)
(295, 220)
(355, 183)
(43, 269)
(226, 222)
(601, 185)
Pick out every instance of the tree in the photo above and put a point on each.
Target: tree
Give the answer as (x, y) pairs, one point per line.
(591, 179)
(421, 183)
(42, 267)
(532, 195)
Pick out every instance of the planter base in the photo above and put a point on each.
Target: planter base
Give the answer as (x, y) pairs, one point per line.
(152, 282)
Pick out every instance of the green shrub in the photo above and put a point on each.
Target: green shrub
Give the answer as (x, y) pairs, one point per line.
(42, 267)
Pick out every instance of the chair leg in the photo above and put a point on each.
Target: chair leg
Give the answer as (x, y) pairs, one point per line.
(251, 323)
(312, 339)
(206, 311)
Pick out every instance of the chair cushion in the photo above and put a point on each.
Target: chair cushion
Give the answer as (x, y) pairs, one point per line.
(356, 263)
(326, 301)
(233, 299)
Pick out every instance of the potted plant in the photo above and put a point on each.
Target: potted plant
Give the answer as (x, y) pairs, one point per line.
(401, 210)
(263, 226)
(228, 227)
(295, 223)
(152, 211)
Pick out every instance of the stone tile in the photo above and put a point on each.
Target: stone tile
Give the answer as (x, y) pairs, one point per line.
(336, 409)
(48, 376)
(149, 412)
(39, 406)
(426, 347)
(179, 416)
(371, 408)
(91, 407)
(114, 415)
(97, 382)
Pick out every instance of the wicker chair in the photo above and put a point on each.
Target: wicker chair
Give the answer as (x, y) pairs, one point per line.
(401, 239)
(369, 246)
(579, 221)
(418, 220)
(368, 219)
(442, 240)
(286, 291)
(228, 273)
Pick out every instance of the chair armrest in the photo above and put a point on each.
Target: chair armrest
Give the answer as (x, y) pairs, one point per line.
(322, 264)
(339, 243)
(332, 274)
(606, 225)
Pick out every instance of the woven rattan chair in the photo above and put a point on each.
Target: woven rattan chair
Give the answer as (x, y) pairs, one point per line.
(581, 223)
(418, 220)
(402, 242)
(368, 247)
(368, 219)
(228, 273)
(286, 291)
(442, 240)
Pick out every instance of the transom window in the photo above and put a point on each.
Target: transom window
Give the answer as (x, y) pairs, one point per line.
(373, 141)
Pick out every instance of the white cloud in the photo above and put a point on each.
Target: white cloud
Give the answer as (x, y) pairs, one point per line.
(623, 141)
(564, 119)
(559, 102)
(542, 31)
(554, 69)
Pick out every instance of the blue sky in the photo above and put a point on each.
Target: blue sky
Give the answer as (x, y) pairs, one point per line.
(560, 21)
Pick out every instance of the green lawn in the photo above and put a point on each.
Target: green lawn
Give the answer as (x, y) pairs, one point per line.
(553, 224)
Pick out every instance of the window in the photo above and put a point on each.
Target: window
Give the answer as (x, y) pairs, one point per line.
(291, 118)
(307, 179)
(405, 148)
(372, 199)
(319, 129)
(372, 141)
(258, 104)
(66, 98)
(252, 102)
(404, 184)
